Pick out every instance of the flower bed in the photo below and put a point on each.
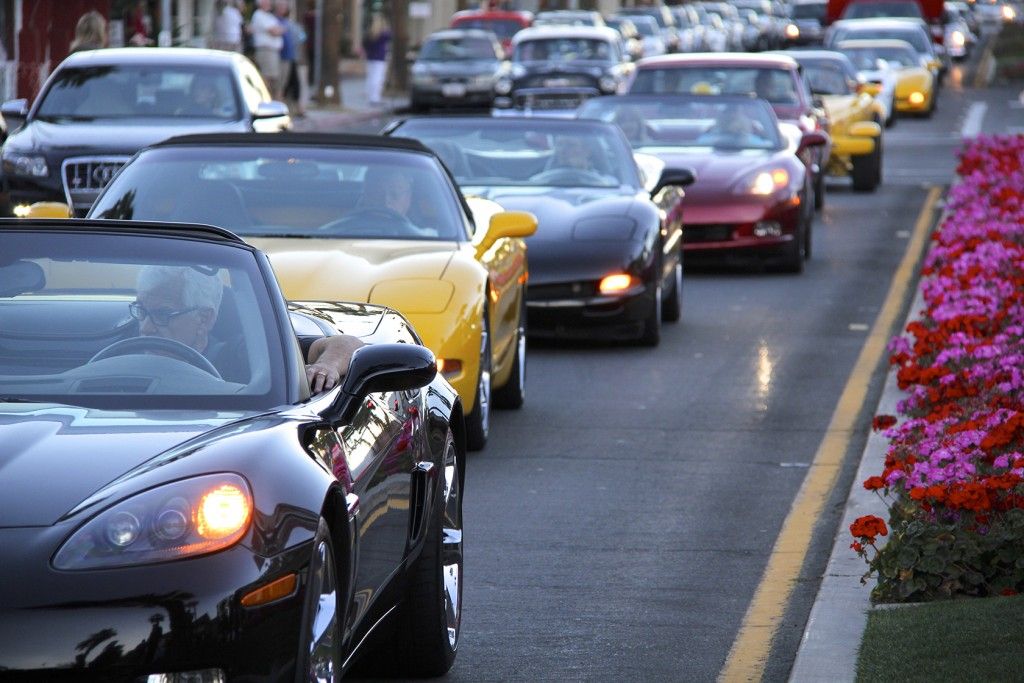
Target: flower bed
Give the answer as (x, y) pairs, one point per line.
(954, 470)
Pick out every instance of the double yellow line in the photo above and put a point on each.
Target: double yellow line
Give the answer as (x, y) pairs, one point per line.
(750, 650)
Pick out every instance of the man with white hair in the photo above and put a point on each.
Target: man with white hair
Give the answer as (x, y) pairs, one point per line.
(267, 41)
(182, 303)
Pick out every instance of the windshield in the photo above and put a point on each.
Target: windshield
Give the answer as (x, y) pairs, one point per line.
(140, 91)
(529, 153)
(919, 40)
(669, 124)
(882, 8)
(866, 58)
(289, 191)
(458, 49)
(826, 78)
(562, 50)
(135, 322)
(503, 28)
(808, 11)
(775, 85)
(646, 26)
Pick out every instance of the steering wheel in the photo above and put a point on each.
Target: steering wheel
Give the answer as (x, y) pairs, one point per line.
(160, 345)
(394, 223)
(569, 175)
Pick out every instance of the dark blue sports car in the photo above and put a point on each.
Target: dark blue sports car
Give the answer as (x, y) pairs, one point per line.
(176, 503)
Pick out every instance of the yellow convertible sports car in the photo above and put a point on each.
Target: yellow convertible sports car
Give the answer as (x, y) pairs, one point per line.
(359, 218)
(883, 60)
(854, 116)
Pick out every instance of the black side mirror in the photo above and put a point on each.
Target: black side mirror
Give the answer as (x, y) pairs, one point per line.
(680, 177)
(813, 138)
(389, 367)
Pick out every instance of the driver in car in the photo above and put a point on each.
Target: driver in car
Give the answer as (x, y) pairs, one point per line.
(181, 303)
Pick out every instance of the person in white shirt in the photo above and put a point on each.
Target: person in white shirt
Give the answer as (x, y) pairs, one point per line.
(266, 40)
(227, 26)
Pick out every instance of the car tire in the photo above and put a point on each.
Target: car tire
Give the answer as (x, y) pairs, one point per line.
(794, 254)
(651, 333)
(891, 120)
(867, 169)
(478, 422)
(320, 642)
(431, 619)
(819, 191)
(672, 305)
(513, 393)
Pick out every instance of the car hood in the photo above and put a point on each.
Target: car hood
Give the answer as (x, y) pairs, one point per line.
(557, 208)
(718, 172)
(458, 68)
(54, 456)
(348, 269)
(112, 136)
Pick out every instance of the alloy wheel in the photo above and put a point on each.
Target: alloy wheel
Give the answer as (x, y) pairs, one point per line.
(451, 546)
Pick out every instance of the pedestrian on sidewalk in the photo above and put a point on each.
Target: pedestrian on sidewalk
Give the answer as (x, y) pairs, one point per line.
(375, 50)
(266, 33)
(90, 32)
(293, 60)
(227, 26)
(139, 26)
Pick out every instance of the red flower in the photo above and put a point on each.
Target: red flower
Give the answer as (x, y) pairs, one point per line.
(857, 547)
(874, 483)
(868, 527)
(1008, 592)
(882, 422)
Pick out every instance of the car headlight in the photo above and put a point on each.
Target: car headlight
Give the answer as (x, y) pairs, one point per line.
(957, 39)
(1009, 14)
(183, 519)
(608, 84)
(792, 31)
(916, 98)
(503, 86)
(33, 165)
(767, 182)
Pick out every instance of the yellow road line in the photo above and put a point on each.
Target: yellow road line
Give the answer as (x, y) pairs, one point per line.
(749, 653)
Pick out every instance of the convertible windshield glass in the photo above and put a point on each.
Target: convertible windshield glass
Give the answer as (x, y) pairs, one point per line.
(528, 152)
(666, 124)
(133, 322)
(297, 191)
(826, 77)
(916, 37)
(560, 50)
(867, 58)
(458, 50)
(775, 85)
(133, 91)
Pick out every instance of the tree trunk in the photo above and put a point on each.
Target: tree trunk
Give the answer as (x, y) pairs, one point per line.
(328, 90)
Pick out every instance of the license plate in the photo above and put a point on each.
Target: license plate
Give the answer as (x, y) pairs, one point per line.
(556, 83)
(453, 90)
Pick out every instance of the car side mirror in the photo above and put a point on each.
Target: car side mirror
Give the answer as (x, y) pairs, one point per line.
(14, 112)
(813, 138)
(270, 110)
(680, 177)
(44, 210)
(869, 88)
(506, 224)
(389, 367)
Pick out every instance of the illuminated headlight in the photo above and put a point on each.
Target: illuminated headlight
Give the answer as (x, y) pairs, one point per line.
(792, 31)
(33, 165)
(957, 39)
(608, 84)
(767, 229)
(187, 518)
(503, 86)
(1009, 14)
(916, 98)
(617, 283)
(768, 182)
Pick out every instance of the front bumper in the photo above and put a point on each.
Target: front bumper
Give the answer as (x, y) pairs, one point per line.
(574, 310)
(441, 95)
(125, 624)
(719, 229)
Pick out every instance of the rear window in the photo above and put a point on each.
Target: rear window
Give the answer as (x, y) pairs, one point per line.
(882, 8)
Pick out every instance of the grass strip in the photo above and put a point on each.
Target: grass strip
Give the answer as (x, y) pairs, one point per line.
(958, 640)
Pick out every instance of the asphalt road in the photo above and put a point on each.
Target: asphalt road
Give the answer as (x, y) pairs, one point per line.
(618, 525)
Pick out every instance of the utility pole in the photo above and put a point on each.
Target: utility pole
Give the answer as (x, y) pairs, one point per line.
(399, 45)
(329, 23)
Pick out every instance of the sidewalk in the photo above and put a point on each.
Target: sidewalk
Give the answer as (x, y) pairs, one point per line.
(354, 109)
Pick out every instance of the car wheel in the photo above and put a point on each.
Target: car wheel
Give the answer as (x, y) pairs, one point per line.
(513, 394)
(432, 617)
(819, 190)
(478, 422)
(891, 120)
(793, 253)
(321, 654)
(651, 334)
(867, 169)
(672, 306)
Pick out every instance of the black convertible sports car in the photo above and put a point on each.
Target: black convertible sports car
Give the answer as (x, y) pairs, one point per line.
(606, 259)
(160, 521)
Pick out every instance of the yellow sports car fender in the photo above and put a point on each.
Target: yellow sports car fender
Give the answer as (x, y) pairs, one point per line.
(915, 90)
(854, 128)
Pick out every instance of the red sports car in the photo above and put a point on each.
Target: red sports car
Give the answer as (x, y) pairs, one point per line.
(775, 78)
(752, 193)
(503, 23)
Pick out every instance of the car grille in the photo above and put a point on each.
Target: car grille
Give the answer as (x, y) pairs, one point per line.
(85, 177)
(714, 232)
(562, 290)
(540, 100)
(558, 81)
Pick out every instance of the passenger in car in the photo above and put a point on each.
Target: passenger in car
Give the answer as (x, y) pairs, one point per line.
(183, 304)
